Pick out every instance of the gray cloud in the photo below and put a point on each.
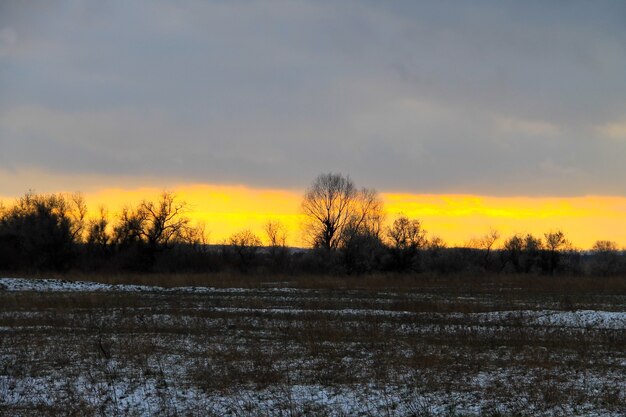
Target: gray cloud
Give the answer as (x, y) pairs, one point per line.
(482, 97)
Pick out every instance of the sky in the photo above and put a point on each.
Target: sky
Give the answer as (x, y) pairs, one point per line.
(521, 105)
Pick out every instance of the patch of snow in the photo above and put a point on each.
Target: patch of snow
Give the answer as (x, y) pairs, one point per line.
(596, 319)
(57, 285)
(583, 319)
(344, 311)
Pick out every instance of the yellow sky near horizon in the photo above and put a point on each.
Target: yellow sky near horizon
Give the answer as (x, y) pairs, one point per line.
(456, 218)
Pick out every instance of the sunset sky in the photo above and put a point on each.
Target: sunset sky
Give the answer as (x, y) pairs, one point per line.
(468, 115)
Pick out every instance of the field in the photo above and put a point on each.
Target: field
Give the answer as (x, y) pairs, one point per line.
(276, 346)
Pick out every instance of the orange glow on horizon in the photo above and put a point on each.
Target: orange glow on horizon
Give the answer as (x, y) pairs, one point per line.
(455, 218)
(223, 210)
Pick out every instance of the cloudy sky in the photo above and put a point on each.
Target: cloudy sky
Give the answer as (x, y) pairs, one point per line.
(468, 115)
(484, 97)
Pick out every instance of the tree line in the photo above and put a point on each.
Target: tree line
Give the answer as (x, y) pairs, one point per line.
(345, 228)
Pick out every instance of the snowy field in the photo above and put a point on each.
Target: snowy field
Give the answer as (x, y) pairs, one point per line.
(84, 348)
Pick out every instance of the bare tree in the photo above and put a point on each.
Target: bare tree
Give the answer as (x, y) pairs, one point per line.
(436, 243)
(129, 229)
(97, 234)
(406, 237)
(151, 228)
(512, 252)
(245, 244)
(406, 233)
(335, 211)
(486, 244)
(165, 220)
(197, 236)
(276, 233)
(361, 244)
(604, 246)
(555, 240)
(555, 243)
(435, 254)
(531, 254)
(523, 253)
(606, 259)
(328, 206)
(366, 216)
(44, 228)
(77, 212)
(245, 239)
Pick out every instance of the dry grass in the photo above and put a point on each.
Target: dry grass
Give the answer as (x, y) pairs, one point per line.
(458, 283)
(242, 353)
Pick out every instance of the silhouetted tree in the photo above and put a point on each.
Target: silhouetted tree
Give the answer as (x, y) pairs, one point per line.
(77, 212)
(485, 244)
(129, 230)
(362, 252)
(245, 246)
(328, 206)
(188, 250)
(338, 216)
(435, 244)
(196, 236)
(276, 234)
(98, 238)
(523, 253)
(555, 243)
(361, 245)
(530, 258)
(512, 252)
(165, 220)
(150, 228)
(606, 259)
(366, 215)
(435, 251)
(406, 238)
(604, 246)
(42, 230)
